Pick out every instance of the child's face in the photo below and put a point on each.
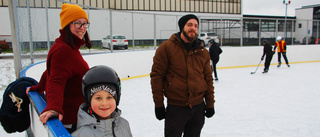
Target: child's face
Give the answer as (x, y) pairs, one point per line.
(103, 104)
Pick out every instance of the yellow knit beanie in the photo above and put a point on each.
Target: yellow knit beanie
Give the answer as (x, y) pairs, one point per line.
(71, 12)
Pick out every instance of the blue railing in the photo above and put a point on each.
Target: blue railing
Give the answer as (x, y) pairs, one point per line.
(55, 126)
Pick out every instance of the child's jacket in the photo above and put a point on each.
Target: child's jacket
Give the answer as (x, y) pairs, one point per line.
(88, 126)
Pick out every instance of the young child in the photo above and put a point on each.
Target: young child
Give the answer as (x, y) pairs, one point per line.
(99, 116)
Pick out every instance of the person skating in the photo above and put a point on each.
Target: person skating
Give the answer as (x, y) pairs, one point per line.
(215, 52)
(267, 51)
(282, 49)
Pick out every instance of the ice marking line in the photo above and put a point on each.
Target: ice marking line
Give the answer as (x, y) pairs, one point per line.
(134, 77)
(245, 66)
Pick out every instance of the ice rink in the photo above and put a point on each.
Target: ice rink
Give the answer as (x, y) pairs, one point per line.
(282, 103)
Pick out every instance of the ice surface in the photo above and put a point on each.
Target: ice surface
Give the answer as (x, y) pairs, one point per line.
(282, 103)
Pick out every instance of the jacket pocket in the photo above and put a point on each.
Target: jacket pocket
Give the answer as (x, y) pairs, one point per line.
(200, 86)
(168, 83)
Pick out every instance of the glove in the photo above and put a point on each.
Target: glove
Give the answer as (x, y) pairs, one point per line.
(262, 57)
(209, 112)
(160, 113)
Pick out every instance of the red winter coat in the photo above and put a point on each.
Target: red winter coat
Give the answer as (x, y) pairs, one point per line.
(62, 79)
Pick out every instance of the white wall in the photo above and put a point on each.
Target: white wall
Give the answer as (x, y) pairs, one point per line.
(306, 14)
(5, 21)
(143, 23)
(241, 56)
(135, 63)
(303, 17)
(131, 63)
(5, 31)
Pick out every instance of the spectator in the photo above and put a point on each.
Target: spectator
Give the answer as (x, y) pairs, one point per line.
(61, 80)
(182, 73)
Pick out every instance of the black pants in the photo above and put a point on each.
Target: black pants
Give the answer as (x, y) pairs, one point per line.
(188, 121)
(284, 56)
(267, 62)
(214, 67)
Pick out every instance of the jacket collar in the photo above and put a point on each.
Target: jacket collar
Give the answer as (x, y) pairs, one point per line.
(195, 45)
(85, 119)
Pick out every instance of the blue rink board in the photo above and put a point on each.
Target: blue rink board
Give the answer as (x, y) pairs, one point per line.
(55, 126)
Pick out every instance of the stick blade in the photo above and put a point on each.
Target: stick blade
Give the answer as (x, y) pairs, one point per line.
(253, 72)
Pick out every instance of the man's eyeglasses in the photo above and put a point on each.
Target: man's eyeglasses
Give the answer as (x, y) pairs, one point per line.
(78, 25)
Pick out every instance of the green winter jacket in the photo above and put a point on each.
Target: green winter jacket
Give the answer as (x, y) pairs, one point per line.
(184, 78)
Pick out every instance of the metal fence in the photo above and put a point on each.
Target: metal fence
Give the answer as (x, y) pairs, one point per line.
(36, 29)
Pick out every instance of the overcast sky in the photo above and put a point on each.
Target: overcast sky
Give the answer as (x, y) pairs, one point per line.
(274, 7)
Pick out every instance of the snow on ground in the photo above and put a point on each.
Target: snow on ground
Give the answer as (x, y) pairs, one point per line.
(282, 103)
(7, 74)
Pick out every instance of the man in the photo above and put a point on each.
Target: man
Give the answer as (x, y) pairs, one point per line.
(182, 73)
(215, 52)
(282, 49)
(267, 50)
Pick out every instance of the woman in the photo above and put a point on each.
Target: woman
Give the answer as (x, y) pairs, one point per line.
(65, 68)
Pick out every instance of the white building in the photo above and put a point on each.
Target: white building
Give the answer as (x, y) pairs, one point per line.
(146, 21)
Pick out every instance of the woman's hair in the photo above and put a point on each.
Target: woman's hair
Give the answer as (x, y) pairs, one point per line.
(69, 38)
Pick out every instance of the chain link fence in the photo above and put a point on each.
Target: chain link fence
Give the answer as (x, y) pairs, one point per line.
(37, 28)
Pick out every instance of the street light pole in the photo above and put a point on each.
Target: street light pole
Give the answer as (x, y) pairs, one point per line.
(285, 19)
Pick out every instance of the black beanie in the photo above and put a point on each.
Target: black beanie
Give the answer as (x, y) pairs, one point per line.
(184, 19)
(110, 88)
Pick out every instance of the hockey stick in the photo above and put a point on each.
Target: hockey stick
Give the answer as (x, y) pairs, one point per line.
(257, 67)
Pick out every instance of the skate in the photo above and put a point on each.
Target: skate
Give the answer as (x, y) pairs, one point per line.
(265, 71)
(279, 65)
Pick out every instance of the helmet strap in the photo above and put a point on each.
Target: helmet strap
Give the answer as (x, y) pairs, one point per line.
(90, 111)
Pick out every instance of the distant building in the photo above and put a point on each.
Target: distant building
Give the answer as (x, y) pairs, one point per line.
(197, 6)
(142, 21)
(308, 23)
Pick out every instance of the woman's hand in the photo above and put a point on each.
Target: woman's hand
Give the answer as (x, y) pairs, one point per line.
(48, 114)
(27, 91)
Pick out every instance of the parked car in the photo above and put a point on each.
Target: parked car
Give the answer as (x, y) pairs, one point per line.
(205, 37)
(311, 40)
(118, 41)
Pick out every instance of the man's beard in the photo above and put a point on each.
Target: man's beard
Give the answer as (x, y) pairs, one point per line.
(191, 39)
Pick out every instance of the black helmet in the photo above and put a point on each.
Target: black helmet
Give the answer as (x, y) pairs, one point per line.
(98, 75)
